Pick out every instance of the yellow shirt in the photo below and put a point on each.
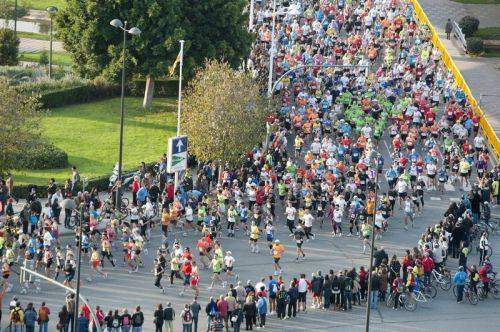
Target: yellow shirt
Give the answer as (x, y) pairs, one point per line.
(464, 167)
(254, 232)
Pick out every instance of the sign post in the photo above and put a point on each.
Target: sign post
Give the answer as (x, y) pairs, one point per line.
(177, 156)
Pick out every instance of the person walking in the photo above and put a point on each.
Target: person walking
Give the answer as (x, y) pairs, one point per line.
(459, 279)
(195, 310)
(158, 318)
(168, 317)
(63, 324)
(187, 319)
(43, 318)
(30, 318)
(448, 28)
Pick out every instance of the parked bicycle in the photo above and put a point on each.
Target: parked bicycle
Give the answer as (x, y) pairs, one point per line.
(469, 294)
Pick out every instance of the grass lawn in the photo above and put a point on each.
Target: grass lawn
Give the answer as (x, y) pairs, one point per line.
(32, 35)
(492, 54)
(89, 133)
(42, 4)
(479, 1)
(488, 33)
(59, 59)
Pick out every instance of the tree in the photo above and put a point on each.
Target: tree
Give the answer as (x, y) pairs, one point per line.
(19, 128)
(224, 114)
(215, 29)
(9, 48)
(8, 11)
(96, 47)
(211, 28)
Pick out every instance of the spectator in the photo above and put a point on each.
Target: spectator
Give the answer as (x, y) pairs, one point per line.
(448, 28)
(43, 317)
(82, 323)
(63, 324)
(187, 319)
(250, 311)
(17, 317)
(222, 308)
(116, 322)
(262, 310)
(30, 318)
(159, 318)
(126, 320)
(137, 320)
(211, 311)
(100, 319)
(195, 310)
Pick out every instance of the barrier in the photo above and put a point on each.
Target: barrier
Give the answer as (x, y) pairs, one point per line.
(457, 31)
(459, 80)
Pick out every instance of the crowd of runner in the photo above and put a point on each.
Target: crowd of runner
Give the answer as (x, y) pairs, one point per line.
(364, 69)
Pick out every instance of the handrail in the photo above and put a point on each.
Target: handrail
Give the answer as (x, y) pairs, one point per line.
(457, 31)
(69, 289)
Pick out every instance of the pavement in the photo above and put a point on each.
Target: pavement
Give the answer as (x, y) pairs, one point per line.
(482, 74)
(35, 45)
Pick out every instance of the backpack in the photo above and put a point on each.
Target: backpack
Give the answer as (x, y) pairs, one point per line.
(15, 317)
(116, 322)
(187, 317)
(42, 315)
(138, 319)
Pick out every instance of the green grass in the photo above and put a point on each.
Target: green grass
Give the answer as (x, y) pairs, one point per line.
(488, 33)
(89, 133)
(33, 35)
(42, 4)
(59, 59)
(479, 1)
(492, 54)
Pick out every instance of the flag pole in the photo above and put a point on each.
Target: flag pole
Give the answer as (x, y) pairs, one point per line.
(179, 104)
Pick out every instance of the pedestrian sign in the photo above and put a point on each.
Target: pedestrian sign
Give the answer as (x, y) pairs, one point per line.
(177, 154)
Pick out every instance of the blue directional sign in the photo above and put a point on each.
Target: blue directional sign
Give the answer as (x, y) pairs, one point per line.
(177, 154)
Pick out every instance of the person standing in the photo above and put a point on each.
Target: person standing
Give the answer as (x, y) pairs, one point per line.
(250, 311)
(448, 28)
(187, 319)
(459, 280)
(137, 320)
(30, 318)
(168, 317)
(195, 310)
(222, 308)
(63, 324)
(82, 323)
(262, 310)
(43, 317)
(158, 318)
(374, 290)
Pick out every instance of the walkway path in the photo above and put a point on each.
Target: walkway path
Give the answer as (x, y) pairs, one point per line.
(482, 74)
(35, 45)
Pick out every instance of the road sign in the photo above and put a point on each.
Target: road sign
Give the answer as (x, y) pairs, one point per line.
(177, 154)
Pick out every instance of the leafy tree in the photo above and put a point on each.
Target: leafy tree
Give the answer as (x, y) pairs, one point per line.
(211, 28)
(44, 58)
(96, 47)
(215, 29)
(8, 12)
(9, 48)
(19, 128)
(224, 113)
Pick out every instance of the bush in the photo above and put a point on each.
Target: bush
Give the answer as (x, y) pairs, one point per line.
(79, 94)
(44, 58)
(9, 48)
(475, 45)
(163, 87)
(469, 25)
(42, 155)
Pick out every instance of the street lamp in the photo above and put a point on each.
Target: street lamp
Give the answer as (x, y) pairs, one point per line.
(51, 10)
(134, 32)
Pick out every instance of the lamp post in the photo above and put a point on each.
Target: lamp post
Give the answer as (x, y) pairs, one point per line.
(78, 268)
(15, 18)
(134, 32)
(51, 10)
(370, 272)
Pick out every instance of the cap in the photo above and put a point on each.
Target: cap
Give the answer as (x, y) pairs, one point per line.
(276, 241)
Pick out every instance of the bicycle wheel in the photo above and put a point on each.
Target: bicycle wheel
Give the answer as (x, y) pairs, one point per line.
(445, 285)
(472, 297)
(125, 201)
(494, 290)
(410, 304)
(430, 290)
(390, 300)
(455, 291)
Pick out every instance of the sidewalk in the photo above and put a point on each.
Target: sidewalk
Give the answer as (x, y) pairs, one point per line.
(482, 74)
(35, 45)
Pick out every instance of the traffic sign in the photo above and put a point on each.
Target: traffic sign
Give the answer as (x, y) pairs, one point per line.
(177, 154)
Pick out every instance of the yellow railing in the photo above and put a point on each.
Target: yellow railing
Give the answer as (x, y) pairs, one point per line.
(459, 80)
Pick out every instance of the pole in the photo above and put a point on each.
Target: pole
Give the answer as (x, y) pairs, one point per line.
(179, 105)
(15, 19)
(368, 309)
(78, 271)
(122, 116)
(50, 52)
(250, 16)
(271, 54)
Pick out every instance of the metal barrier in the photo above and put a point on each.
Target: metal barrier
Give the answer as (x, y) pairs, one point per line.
(457, 32)
(459, 80)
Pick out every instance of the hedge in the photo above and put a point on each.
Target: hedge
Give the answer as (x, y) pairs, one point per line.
(79, 94)
(475, 45)
(43, 155)
(469, 25)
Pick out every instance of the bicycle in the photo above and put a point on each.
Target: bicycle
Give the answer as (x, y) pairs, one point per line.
(442, 279)
(420, 297)
(493, 289)
(469, 294)
(404, 301)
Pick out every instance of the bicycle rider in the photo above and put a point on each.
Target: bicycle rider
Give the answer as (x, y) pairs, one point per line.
(486, 275)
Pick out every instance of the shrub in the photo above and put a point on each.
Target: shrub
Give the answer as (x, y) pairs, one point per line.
(9, 48)
(79, 94)
(42, 155)
(475, 45)
(469, 25)
(44, 58)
